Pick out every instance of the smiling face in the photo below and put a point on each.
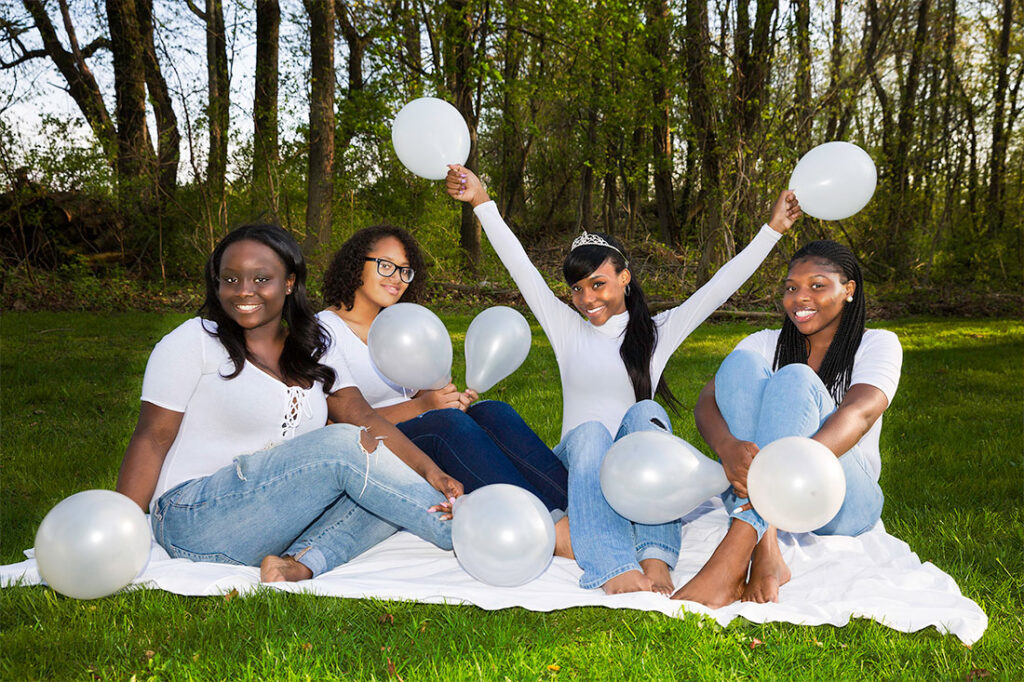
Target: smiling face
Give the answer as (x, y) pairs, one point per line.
(815, 293)
(253, 284)
(383, 291)
(601, 294)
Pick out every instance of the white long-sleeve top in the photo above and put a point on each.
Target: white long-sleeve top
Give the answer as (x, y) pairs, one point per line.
(595, 384)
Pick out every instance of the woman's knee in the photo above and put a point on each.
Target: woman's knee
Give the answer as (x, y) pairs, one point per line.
(742, 364)
(645, 415)
(492, 411)
(587, 443)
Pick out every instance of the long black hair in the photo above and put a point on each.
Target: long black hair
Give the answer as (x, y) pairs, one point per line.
(345, 273)
(837, 366)
(641, 334)
(306, 340)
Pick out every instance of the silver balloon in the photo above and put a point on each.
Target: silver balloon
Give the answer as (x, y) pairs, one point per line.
(502, 535)
(654, 477)
(411, 347)
(92, 544)
(796, 484)
(497, 342)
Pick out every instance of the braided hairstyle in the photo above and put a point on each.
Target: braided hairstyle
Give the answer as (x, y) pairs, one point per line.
(837, 366)
(641, 334)
(345, 273)
(306, 340)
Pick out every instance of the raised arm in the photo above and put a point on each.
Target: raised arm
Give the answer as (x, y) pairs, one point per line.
(555, 317)
(347, 406)
(678, 323)
(140, 469)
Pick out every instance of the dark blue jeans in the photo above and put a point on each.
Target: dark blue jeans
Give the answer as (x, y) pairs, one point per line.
(490, 443)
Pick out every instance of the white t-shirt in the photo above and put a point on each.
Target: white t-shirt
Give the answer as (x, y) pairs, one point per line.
(595, 384)
(350, 359)
(877, 362)
(223, 418)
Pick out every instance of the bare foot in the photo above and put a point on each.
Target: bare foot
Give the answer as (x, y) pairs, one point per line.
(660, 575)
(630, 581)
(276, 569)
(720, 582)
(768, 571)
(563, 543)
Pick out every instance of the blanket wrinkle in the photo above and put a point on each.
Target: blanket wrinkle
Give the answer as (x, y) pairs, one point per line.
(874, 576)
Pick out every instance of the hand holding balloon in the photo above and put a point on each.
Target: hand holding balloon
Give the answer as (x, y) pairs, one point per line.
(464, 185)
(785, 212)
(446, 397)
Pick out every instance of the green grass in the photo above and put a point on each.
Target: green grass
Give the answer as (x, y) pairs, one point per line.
(952, 474)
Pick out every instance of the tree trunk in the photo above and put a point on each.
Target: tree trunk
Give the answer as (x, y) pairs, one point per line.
(321, 124)
(804, 113)
(459, 56)
(995, 213)
(168, 139)
(82, 85)
(658, 30)
(265, 153)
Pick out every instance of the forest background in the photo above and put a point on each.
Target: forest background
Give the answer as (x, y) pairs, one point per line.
(135, 133)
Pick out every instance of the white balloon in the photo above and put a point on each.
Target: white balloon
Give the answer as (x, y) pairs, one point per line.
(92, 544)
(497, 342)
(428, 134)
(796, 484)
(410, 346)
(502, 535)
(834, 180)
(654, 477)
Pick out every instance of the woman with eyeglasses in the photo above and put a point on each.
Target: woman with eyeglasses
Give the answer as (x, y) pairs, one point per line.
(478, 443)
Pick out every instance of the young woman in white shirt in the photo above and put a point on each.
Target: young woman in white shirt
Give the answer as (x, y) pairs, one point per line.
(823, 376)
(231, 455)
(477, 442)
(611, 362)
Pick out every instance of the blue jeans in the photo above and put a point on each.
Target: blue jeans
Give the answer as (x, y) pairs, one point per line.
(605, 543)
(320, 497)
(761, 406)
(490, 443)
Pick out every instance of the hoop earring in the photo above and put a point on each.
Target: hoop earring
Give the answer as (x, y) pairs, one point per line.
(627, 290)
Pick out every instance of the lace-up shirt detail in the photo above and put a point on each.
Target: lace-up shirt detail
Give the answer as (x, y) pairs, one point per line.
(296, 407)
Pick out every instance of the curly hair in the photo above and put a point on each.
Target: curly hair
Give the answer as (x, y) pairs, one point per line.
(306, 341)
(345, 273)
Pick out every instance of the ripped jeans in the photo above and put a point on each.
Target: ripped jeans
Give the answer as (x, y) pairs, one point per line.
(319, 497)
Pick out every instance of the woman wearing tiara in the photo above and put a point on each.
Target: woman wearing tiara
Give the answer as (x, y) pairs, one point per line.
(611, 362)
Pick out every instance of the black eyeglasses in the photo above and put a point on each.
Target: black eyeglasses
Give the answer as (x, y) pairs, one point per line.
(386, 268)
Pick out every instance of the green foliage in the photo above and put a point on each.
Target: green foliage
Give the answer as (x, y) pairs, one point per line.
(951, 473)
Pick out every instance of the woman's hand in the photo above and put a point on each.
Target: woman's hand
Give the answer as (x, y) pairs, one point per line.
(469, 396)
(448, 487)
(736, 458)
(464, 185)
(442, 398)
(785, 212)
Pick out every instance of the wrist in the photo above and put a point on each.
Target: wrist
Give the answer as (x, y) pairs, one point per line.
(479, 199)
(778, 224)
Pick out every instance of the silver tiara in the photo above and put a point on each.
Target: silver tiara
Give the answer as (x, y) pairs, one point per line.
(590, 239)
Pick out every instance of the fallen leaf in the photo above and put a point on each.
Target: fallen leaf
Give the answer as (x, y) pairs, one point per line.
(307, 646)
(392, 672)
(977, 673)
(149, 654)
(554, 668)
(230, 595)
(755, 642)
(386, 618)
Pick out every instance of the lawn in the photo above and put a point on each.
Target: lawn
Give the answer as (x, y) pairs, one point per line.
(952, 475)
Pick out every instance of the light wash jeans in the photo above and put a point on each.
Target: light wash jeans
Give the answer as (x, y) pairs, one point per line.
(605, 543)
(762, 406)
(320, 492)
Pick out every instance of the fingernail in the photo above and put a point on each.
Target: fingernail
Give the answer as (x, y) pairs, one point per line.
(452, 500)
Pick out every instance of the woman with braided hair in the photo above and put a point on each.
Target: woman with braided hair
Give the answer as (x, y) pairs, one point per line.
(611, 361)
(823, 376)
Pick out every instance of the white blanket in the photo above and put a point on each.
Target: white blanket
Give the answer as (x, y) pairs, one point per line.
(835, 579)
